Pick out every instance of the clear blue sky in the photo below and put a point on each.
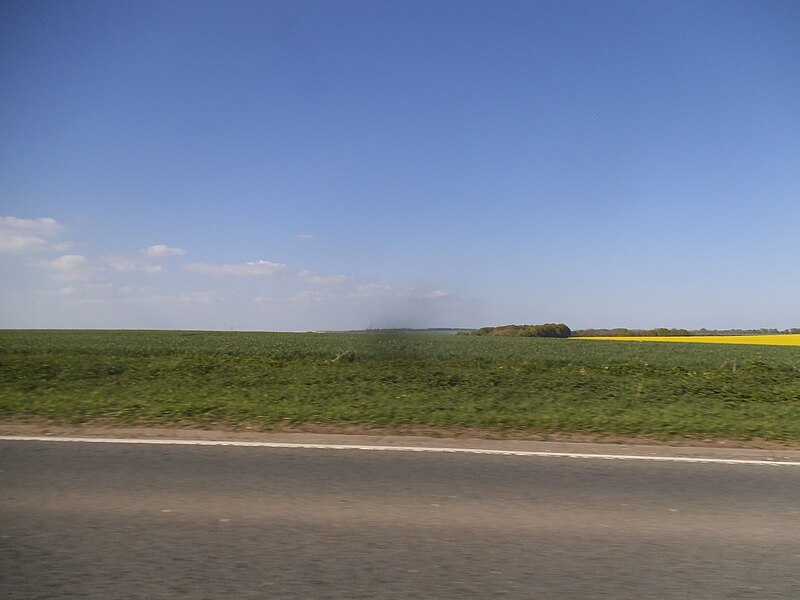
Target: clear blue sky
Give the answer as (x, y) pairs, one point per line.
(340, 164)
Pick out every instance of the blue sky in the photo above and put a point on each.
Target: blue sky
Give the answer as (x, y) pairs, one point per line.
(335, 165)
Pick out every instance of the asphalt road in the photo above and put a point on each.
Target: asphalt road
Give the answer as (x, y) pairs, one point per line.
(135, 521)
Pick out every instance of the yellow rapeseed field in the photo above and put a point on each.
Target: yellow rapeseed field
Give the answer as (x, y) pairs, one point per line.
(764, 340)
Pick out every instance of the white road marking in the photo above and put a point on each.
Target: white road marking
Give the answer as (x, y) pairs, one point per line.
(543, 454)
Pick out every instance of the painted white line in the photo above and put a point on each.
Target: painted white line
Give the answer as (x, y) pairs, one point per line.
(544, 454)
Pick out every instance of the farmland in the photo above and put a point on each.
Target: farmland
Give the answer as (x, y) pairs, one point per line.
(497, 384)
(751, 340)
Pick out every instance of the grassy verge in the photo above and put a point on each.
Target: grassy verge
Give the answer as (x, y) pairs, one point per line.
(541, 385)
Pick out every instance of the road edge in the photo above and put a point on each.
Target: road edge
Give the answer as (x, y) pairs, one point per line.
(405, 443)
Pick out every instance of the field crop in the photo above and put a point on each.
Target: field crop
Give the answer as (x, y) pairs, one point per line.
(273, 380)
(752, 340)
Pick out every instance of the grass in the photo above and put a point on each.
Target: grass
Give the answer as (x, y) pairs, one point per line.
(442, 381)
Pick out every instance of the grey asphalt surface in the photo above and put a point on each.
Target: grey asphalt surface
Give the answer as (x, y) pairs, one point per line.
(135, 521)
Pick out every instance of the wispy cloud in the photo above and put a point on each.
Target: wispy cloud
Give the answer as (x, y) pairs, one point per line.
(144, 261)
(24, 236)
(304, 296)
(320, 279)
(435, 295)
(81, 289)
(69, 268)
(95, 286)
(374, 289)
(248, 269)
(179, 298)
(304, 237)
(122, 264)
(384, 288)
(42, 226)
(161, 251)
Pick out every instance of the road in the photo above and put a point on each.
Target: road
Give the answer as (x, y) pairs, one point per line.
(137, 521)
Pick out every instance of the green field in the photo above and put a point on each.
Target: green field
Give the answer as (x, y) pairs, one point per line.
(272, 380)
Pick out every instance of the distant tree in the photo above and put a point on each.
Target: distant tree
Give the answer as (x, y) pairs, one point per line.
(550, 330)
(664, 332)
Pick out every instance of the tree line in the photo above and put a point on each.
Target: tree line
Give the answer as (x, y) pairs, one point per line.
(559, 330)
(624, 332)
(671, 332)
(548, 330)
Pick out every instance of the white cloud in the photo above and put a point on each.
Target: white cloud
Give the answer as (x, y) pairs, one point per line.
(310, 296)
(397, 291)
(22, 236)
(160, 251)
(317, 279)
(70, 268)
(304, 237)
(70, 290)
(143, 262)
(20, 244)
(42, 226)
(179, 298)
(249, 269)
(266, 299)
(109, 295)
(124, 265)
(83, 289)
(435, 294)
(373, 289)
